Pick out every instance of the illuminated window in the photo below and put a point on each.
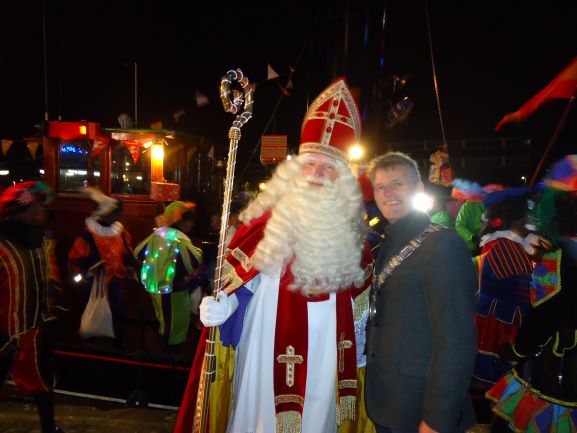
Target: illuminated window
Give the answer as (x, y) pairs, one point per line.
(78, 168)
(128, 176)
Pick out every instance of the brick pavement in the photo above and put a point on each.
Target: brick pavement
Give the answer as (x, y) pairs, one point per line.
(19, 416)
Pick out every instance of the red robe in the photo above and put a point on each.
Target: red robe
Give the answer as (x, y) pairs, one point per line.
(238, 269)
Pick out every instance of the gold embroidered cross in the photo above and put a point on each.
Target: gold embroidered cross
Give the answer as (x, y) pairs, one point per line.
(343, 344)
(290, 359)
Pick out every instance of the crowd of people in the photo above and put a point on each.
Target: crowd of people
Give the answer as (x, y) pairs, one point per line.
(338, 310)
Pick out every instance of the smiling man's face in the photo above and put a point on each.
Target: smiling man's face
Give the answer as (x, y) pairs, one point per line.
(394, 189)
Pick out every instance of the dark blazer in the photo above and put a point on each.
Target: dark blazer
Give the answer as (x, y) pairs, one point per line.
(421, 346)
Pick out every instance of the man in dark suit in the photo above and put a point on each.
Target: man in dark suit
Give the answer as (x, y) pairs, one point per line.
(421, 338)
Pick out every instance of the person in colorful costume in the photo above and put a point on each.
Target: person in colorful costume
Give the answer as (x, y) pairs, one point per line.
(504, 271)
(106, 247)
(295, 266)
(539, 395)
(469, 219)
(28, 276)
(169, 262)
(468, 224)
(420, 331)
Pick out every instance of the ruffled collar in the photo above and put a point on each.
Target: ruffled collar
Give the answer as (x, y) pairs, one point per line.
(106, 231)
(507, 234)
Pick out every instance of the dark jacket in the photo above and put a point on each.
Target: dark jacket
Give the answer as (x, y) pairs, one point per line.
(421, 345)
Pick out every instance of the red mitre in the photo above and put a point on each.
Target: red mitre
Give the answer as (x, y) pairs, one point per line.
(332, 123)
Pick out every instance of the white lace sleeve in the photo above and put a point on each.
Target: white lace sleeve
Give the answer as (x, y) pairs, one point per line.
(361, 338)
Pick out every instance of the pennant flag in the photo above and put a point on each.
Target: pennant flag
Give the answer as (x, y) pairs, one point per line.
(201, 99)
(178, 114)
(563, 86)
(133, 147)
(33, 148)
(271, 73)
(99, 143)
(563, 174)
(210, 153)
(287, 88)
(6, 144)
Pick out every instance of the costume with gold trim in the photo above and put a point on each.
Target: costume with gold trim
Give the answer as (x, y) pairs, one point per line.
(331, 124)
(27, 278)
(112, 247)
(540, 393)
(290, 336)
(504, 270)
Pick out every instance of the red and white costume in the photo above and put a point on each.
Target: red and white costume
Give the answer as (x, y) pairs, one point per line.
(295, 360)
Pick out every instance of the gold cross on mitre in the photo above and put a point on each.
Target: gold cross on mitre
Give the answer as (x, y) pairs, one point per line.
(290, 359)
(343, 344)
(336, 94)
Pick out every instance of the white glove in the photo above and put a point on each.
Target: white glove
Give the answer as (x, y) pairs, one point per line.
(215, 313)
(533, 242)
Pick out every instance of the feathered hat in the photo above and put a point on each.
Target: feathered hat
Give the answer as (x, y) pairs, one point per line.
(563, 174)
(472, 191)
(556, 208)
(104, 203)
(17, 198)
(332, 123)
(173, 212)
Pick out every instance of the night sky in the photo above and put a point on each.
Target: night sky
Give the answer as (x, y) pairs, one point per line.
(491, 57)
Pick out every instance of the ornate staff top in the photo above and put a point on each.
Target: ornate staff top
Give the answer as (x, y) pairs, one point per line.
(233, 105)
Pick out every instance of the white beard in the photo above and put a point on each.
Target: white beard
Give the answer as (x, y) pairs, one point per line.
(319, 231)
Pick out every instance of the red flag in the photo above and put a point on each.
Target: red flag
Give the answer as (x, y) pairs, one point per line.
(133, 147)
(99, 143)
(563, 86)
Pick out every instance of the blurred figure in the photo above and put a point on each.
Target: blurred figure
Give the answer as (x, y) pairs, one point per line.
(504, 268)
(540, 393)
(469, 219)
(439, 212)
(105, 247)
(468, 224)
(454, 206)
(27, 277)
(169, 262)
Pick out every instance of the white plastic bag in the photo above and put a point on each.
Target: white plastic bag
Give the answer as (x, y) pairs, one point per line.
(96, 320)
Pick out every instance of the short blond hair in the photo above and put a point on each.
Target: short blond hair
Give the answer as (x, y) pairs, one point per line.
(394, 159)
